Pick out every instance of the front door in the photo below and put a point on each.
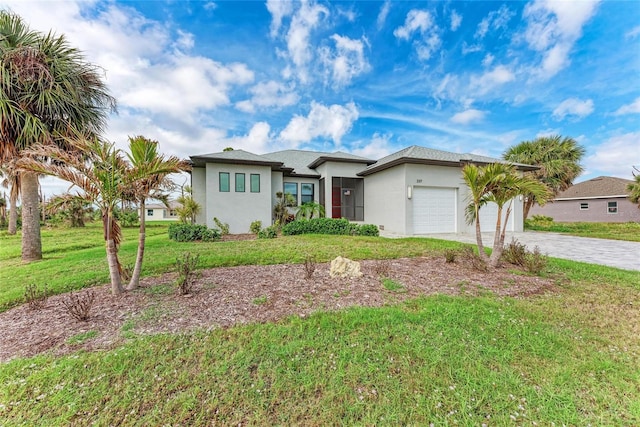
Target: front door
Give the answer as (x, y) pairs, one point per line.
(348, 203)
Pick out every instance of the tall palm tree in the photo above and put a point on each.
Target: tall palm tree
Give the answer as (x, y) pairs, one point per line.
(498, 183)
(558, 160)
(99, 171)
(47, 90)
(149, 179)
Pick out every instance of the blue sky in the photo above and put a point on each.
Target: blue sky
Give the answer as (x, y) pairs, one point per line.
(364, 77)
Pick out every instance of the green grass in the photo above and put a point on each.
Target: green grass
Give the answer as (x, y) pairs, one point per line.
(629, 231)
(75, 258)
(392, 285)
(569, 357)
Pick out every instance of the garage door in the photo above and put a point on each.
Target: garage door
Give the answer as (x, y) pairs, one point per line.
(489, 216)
(434, 210)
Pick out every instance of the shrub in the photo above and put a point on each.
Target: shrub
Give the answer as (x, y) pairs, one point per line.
(450, 255)
(79, 306)
(187, 276)
(34, 297)
(469, 256)
(182, 232)
(223, 226)
(340, 226)
(309, 266)
(268, 233)
(538, 221)
(255, 227)
(515, 252)
(535, 262)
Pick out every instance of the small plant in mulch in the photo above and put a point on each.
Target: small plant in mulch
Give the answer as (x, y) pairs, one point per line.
(450, 255)
(79, 306)
(255, 227)
(36, 298)
(535, 262)
(381, 268)
(187, 276)
(469, 257)
(260, 300)
(515, 252)
(392, 285)
(310, 265)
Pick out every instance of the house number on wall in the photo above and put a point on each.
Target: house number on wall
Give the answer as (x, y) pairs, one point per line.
(418, 181)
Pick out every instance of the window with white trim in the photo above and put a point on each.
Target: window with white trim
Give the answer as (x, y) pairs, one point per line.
(612, 207)
(584, 206)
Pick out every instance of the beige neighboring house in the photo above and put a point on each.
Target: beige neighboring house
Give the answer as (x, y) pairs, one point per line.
(159, 212)
(415, 191)
(601, 199)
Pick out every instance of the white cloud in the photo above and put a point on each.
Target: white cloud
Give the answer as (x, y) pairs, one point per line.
(492, 79)
(327, 122)
(256, 141)
(382, 15)
(378, 147)
(279, 9)
(303, 22)
(548, 132)
(470, 48)
(497, 19)
(488, 60)
(210, 6)
(348, 60)
(552, 29)
(269, 94)
(612, 156)
(420, 22)
(573, 108)
(456, 20)
(633, 33)
(185, 40)
(468, 116)
(633, 108)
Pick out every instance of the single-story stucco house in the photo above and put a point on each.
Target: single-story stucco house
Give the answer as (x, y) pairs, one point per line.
(415, 191)
(601, 199)
(159, 212)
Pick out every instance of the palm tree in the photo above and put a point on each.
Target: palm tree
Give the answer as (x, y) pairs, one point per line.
(99, 171)
(189, 208)
(148, 180)
(11, 179)
(634, 188)
(76, 210)
(498, 183)
(310, 210)
(558, 160)
(48, 90)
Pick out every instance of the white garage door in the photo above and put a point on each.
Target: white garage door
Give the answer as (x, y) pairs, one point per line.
(489, 217)
(434, 210)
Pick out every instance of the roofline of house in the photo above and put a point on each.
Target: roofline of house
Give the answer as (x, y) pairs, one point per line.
(199, 161)
(615, 196)
(412, 160)
(322, 159)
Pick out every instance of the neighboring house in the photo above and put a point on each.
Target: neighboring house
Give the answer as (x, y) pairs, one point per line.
(601, 199)
(415, 191)
(159, 212)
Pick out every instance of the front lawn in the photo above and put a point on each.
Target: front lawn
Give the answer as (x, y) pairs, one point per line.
(570, 356)
(629, 231)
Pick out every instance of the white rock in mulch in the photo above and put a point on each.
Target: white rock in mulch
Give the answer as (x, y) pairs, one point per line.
(344, 267)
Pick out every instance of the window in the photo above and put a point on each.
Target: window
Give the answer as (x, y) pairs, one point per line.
(292, 188)
(149, 212)
(584, 206)
(306, 193)
(172, 213)
(612, 207)
(224, 182)
(255, 183)
(239, 183)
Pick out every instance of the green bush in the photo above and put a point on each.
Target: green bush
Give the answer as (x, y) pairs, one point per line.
(255, 227)
(340, 226)
(268, 233)
(223, 226)
(181, 232)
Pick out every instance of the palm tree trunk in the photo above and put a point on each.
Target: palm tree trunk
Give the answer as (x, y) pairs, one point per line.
(13, 214)
(112, 257)
(481, 253)
(137, 269)
(528, 203)
(31, 242)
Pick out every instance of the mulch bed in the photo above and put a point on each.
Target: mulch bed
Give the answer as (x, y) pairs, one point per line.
(223, 297)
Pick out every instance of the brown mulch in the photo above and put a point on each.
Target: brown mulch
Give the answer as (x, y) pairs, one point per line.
(224, 297)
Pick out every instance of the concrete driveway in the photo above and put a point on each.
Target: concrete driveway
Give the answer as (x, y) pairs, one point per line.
(614, 253)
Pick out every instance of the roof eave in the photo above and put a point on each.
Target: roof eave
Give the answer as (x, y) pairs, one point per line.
(322, 159)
